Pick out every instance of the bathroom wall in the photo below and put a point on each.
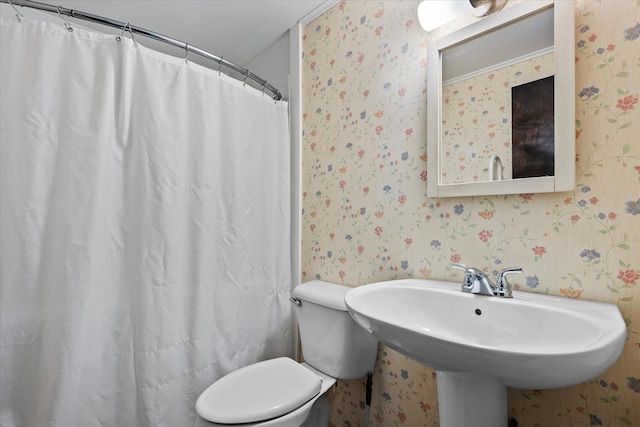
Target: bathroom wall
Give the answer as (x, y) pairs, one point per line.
(366, 216)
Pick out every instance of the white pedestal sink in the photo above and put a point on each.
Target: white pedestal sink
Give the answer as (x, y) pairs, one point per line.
(481, 345)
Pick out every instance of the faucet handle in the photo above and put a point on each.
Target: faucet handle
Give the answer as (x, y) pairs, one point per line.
(470, 276)
(503, 287)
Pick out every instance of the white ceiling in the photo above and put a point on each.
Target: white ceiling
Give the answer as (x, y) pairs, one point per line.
(237, 30)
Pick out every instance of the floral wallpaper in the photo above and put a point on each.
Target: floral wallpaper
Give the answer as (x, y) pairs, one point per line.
(478, 111)
(366, 216)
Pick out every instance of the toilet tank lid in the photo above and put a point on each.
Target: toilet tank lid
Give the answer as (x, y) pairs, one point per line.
(258, 392)
(323, 293)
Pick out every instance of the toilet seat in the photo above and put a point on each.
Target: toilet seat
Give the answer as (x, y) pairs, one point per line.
(259, 392)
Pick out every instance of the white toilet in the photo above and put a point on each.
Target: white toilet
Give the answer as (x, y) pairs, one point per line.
(282, 392)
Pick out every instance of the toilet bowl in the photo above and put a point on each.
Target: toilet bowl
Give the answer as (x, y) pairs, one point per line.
(282, 392)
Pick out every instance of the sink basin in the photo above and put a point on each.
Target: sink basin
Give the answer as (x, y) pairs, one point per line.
(486, 343)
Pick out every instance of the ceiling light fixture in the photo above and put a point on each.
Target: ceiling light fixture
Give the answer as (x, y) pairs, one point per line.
(435, 13)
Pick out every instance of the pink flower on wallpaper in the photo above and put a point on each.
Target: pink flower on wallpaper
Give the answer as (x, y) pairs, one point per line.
(637, 168)
(379, 30)
(328, 117)
(612, 215)
(539, 250)
(593, 37)
(408, 241)
(332, 235)
(409, 23)
(408, 132)
(342, 94)
(526, 196)
(630, 277)
(327, 202)
(360, 249)
(328, 31)
(312, 227)
(402, 199)
(341, 274)
(366, 93)
(361, 153)
(593, 200)
(402, 417)
(361, 58)
(611, 47)
(379, 129)
(485, 235)
(342, 184)
(423, 176)
(402, 92)
(378, 230)
(627, 103)
(365, 190)
(455, 258)
(575, 218)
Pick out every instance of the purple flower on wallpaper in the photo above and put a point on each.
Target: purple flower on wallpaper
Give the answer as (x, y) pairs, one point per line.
(458, 209)
(633, 208)
(632, 33)
(600, 51)
(349, 145)
(582, 203)
(386, 188)
(404, 265)
(404, 374)
(497, 261)
(363, 211)
(589, 92)
(363, 19)
(405, 155)
(348, 237)
(387, 85)
(386, 396)
(329, 82)
(318, 193)
(584, 29)
(532, 281)
(594, 420)
(633, 384)
(581, 43)
(363, 115)
(329, 254)
(329, 168)
(590, 254)
(404, 48)
(601, 215)
(349, 54)
(435, 244)
(585, 189)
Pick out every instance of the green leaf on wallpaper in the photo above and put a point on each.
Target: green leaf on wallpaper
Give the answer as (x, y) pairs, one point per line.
(626, 147)
(604, 400)
(613, 227)
(620, 92)
(588, 174)
(582, 396)
(623, 74)
(525, 231)
(602, 231)
(613, 290)
(612, 120)
(602, 65)
(626, 421)
(624, 126)
(623, 246)
(626, 299)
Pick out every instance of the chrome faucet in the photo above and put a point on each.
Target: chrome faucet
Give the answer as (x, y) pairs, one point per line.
(476, 282)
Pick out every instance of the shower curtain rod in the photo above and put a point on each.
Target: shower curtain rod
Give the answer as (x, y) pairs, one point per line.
(125, 26)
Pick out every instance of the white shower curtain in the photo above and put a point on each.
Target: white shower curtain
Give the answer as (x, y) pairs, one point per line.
(144, 230)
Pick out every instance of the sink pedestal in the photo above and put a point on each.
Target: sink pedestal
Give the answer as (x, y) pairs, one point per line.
(471, 400)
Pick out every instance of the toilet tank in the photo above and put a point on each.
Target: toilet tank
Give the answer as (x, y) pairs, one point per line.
(332, 342)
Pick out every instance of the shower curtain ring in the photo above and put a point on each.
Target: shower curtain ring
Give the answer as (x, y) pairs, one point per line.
(246, 75)
(186, 53)
(220, 66)
(19, 15)
(66, 24)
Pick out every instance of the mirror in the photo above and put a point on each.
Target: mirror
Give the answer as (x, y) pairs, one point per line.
(501, 104)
